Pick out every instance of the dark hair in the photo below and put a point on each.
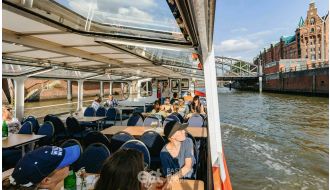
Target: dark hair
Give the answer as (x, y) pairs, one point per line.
(120, 171)
(167, 98)
(194, 106)
(175, 95)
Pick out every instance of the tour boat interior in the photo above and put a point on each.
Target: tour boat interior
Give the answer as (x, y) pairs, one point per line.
(84, 41)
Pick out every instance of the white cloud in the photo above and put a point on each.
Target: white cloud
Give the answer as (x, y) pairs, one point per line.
(235, 46)
(242, 29)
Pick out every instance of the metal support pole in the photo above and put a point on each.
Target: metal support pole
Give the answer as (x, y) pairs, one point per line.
(80, 95)
(69, 90)
(110, 90)
(19, 97)
(101, 89)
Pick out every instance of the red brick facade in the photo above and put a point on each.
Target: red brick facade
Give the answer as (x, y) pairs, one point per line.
(307, 43)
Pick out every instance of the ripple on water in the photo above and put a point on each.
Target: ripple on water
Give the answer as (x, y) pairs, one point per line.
(275, 141)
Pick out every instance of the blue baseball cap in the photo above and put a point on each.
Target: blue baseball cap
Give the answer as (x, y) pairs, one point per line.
(40, 163)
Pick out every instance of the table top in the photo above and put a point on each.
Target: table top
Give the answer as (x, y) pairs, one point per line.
(197, 132)
(81, 118)
(125, 107)
(19, 139)
(184, 184)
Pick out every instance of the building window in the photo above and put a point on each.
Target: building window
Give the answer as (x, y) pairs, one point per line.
(312, 21)
(312, 30)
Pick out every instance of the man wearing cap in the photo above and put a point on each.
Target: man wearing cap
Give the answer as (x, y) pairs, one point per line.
(177, 156)
(43, 168)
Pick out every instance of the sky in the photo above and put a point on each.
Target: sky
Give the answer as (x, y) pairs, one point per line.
(245, 27)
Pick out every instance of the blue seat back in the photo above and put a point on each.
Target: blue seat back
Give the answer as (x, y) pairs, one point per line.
(101, 112)
(89, 112)
(118, 139)
(46, 129)
(179, 116)
(71, 142)
(140, 146)
(93, 158)
(96, 137)
(27, 128)
(167, 120)
(57, 122)
(150, 119)
(196, 120)
(154, 142)
(135, 120)
(111, 114)
(73, 125)
(35, 123)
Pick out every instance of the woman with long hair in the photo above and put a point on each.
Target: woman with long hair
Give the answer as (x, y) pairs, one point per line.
(120, 171)
(197, 106)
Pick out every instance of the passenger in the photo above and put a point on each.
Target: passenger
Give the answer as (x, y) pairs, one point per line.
(97, 103)
(111, 102)
(197, 106)
(175, 112)
(183, 108)
(13, 124)
(42, 168)
(177, 156)
(166, 92)
(167, 107)
(188, 98)
(175, 98)
(157, 110)
(121, 171)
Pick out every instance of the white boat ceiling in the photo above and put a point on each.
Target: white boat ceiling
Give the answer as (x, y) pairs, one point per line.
(49, 40)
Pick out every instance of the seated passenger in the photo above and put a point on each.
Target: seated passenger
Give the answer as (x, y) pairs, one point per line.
(188, 98)
(121, 171)
(42, 168)
(177, 156)
(183, 108)
(13, 124)
(175, 98)
(111, 102)
(157, 111)
(97, 103)
(197, 106)
(167, 107)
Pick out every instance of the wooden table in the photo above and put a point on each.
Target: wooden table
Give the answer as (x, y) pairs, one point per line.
(197, 132)
(20, 140)
(184, 184)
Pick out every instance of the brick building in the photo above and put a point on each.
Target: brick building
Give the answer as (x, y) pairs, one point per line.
(310, 43)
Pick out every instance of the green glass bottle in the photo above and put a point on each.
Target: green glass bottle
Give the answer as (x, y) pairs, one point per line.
(70, 181)
(4, 130)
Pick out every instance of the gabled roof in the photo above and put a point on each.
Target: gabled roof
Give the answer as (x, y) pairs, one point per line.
(301, 22)
(325, 16)
(288, 39)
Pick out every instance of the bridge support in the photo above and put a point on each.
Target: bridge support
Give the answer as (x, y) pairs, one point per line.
(101, 89)
(260, 76)
(80, 95)
(69, 90)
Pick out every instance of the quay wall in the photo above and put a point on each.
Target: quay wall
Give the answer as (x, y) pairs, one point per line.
(315, 81)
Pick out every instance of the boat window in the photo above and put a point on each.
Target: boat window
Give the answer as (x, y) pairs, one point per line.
(146, 89)
(151, 19)
(175, 85)
(120, 90)
(184, 84)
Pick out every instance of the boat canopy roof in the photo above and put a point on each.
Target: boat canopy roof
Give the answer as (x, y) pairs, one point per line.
(105, 40)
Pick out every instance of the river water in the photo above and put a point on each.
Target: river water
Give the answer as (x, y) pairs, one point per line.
(275, 141)
(271, 141)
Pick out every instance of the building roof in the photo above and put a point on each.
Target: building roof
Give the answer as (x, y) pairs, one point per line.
(301, 22)
(288, 39)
